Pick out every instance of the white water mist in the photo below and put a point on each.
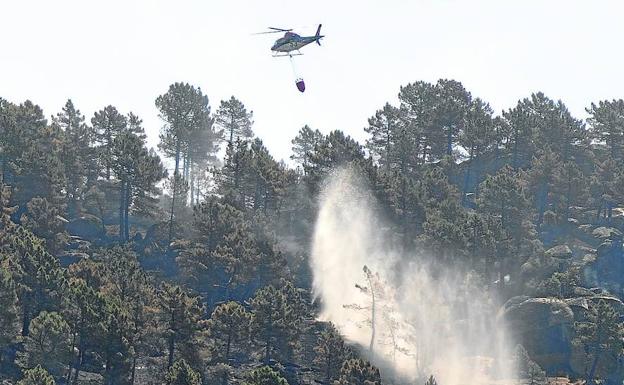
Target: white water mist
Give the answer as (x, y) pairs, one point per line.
(425, 323)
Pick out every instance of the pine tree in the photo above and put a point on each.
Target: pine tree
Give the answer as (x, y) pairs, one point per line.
(569, 189)
(107, 124)
(358, 372)
(184, 109)
(265, 376)
(37, 274)
(83, 310)
(477, 138)
(385, 129)
(541, 180)
(418, 102)
(331, 352)
(77, 155)
(181, 373)
(138, 172)
(303, 145)
(8, 310)
(450, 111)
(37, 168)
(113, 341)
(607, 125)
(601, 334)
(36, 376)
(126, 281)
(336, 149)
(229, 328)
(46, 222)
(233, 118)
(47, 344)
(277, 320)
(503, 199)
(9, 140)
(180, 314)
(603, 188)
(202, 153)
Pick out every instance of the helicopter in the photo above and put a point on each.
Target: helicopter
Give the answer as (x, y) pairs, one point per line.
(291, 41)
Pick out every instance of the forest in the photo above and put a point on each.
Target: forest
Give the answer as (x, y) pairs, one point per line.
(126, 265)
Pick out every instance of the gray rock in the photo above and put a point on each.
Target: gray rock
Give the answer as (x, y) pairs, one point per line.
(560, 252)
(544, 326)
(606, 233)
(87, 227)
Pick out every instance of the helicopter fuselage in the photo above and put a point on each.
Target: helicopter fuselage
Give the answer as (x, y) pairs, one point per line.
(293, 43)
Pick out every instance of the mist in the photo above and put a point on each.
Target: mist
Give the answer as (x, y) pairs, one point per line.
(406, 312)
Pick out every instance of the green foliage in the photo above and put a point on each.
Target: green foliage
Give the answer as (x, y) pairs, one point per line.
(181, 373)
(233, 118)
(357, 371)
(138, 171)
(46, 222)
(304, 144)
(607, 124)
(84, 312)
(36, 376)
(180, 314)
(602, 335)
(277, 320)
(527, 368)
(107, 123)
(265, 376)
(47, 344)
(477, 191)
(228, 328)
(8, 308)
(37, 274)
(186, 112)
(331, 352)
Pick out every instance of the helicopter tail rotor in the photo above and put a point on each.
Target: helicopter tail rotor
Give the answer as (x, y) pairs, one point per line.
(318, 34)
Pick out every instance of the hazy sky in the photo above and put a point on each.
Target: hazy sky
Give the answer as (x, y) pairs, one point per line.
(126, 53)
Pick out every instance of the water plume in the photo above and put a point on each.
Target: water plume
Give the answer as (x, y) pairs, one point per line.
(406, 314)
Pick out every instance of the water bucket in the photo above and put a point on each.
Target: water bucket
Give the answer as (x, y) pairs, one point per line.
(300, 85)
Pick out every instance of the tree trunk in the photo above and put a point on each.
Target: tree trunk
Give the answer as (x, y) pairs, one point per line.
(467, 179)
(592, 372)
(122, 210)
(267, 354)
(26, 317)
(171, 349)
(127, 211)
(173, 192)
(133, 370)
(80, 361)
(71, 359)
(229, 343)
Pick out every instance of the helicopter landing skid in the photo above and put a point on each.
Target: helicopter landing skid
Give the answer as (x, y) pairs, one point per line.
(288, 54)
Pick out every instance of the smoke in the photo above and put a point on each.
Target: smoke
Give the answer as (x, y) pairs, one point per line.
(419, 319)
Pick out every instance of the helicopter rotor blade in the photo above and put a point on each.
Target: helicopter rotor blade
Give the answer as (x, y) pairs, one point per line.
(280, 29)
(264, 33)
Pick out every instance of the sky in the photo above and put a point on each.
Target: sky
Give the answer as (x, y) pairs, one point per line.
(126, 53)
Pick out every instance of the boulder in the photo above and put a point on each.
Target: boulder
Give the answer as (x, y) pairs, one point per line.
(607, 268)
(87, 227)
(606, 233)
(581, 305)
(538, 268)
(544, 326)
(71, 257)
(560, 252)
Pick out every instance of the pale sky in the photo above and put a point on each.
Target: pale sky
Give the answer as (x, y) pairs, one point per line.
(126, 53)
